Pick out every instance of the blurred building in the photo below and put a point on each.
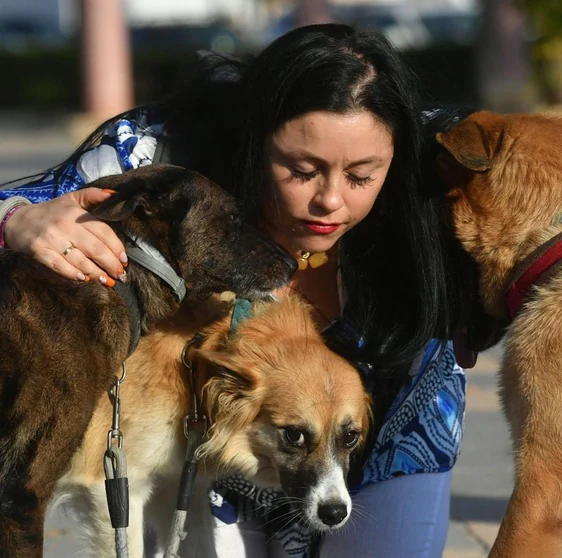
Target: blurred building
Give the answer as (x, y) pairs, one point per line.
(63, 15)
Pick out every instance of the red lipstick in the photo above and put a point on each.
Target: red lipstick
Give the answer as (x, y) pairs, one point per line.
(320, 227)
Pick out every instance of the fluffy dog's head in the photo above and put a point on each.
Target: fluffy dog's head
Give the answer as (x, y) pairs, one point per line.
(198, 227)
(285, 410)
(504, 182)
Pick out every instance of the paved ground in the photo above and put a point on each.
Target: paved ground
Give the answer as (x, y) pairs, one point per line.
(482, 479)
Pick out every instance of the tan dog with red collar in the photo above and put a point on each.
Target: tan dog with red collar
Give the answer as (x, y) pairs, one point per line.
(504, 174)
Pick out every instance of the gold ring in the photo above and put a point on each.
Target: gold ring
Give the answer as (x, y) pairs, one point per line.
(68, 250)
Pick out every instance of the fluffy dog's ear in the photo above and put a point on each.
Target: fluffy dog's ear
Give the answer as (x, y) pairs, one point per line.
(466, 143)
(229, 362)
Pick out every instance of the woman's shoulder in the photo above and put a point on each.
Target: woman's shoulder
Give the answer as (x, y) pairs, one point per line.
(128, 142)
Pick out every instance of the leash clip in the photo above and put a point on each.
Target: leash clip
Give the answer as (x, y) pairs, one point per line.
(194, 422)
(114, 396)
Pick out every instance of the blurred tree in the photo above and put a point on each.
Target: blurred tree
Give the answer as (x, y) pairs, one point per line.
(546, 19)
(312, 11)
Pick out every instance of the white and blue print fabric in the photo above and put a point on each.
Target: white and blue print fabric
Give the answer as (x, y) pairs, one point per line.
(423, 429)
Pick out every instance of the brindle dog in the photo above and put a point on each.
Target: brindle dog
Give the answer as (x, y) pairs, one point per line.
(62, 341)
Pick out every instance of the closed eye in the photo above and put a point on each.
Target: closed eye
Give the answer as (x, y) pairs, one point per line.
(304, 176)
(358, 181)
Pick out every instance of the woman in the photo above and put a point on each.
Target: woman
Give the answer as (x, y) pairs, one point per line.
(306, 134)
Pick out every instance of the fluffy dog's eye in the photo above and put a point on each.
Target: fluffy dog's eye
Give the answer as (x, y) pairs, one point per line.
(294, 436)
(350, 438)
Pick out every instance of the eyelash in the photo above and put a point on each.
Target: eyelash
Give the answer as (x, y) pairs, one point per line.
(354, 181)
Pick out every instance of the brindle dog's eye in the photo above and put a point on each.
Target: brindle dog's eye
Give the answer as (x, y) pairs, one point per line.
(350, 438)
(294, 436)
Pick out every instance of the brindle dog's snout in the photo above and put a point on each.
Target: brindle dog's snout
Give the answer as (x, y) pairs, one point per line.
(332, 513)
(285, 266)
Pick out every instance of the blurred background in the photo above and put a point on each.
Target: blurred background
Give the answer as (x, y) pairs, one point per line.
(66, 65)
(100, 56)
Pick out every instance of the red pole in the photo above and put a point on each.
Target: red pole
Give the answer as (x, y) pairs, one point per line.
(312, 11)
(107, 59)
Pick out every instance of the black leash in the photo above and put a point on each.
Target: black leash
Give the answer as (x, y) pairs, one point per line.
(195, 429)
(115, 466)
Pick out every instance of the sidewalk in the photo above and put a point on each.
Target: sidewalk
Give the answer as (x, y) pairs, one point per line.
(482, 478)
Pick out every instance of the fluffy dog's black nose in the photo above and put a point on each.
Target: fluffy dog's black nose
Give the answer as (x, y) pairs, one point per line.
(332, 513)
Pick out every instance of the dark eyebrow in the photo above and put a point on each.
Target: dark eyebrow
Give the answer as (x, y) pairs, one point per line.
(307, 156)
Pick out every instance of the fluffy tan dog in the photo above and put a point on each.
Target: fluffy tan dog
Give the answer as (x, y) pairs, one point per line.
(504, 174)
(284, 411)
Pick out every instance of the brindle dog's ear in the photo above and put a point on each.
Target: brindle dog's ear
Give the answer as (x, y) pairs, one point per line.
(465, 142)
(120, 205)
(142, 187)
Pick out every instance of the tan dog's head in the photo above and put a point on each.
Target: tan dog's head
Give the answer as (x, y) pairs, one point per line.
(504, 178)
(285, 410)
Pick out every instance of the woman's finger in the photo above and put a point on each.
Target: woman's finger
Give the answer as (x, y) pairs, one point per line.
(105, 233)
(58, 263)
(76, 258)
(96, 249)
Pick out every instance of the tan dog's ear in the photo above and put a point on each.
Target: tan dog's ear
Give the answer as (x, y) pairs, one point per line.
(232, 396)
(467, 144)
(229, 361)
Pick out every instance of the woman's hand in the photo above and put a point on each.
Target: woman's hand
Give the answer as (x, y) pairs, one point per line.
(62, 235)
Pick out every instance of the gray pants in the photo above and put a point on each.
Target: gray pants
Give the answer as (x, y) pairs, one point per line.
(406, 517)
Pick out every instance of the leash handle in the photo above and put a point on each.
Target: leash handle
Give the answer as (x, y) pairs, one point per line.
(189, 470)
(117, 487)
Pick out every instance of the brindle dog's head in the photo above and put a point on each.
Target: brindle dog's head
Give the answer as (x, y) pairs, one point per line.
(286, 411)
(198, 228)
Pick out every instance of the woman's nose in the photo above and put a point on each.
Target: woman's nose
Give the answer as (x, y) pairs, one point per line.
(329, 196)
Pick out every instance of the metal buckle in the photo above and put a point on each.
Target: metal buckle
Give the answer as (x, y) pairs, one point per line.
(194, 421)
(114, 390)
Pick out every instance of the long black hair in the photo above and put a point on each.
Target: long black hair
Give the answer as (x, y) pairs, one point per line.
(393, 267)
(392, 263)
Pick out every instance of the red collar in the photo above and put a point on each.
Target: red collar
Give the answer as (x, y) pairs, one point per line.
(530, 272)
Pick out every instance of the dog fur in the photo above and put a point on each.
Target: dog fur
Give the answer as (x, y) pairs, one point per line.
(504, 177)
(62, 341)
(272, 382)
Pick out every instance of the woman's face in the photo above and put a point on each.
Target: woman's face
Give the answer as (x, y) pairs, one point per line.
(325, 172)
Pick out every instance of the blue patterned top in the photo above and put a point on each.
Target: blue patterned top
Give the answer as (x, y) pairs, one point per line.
(423, 429)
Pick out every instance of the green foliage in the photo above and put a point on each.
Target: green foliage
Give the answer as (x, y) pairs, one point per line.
(546, 16)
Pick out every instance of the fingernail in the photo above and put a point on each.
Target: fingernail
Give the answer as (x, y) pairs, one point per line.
(108, 191)
(80, 276)
(123, 258)
(107, 281)
(122, 276)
